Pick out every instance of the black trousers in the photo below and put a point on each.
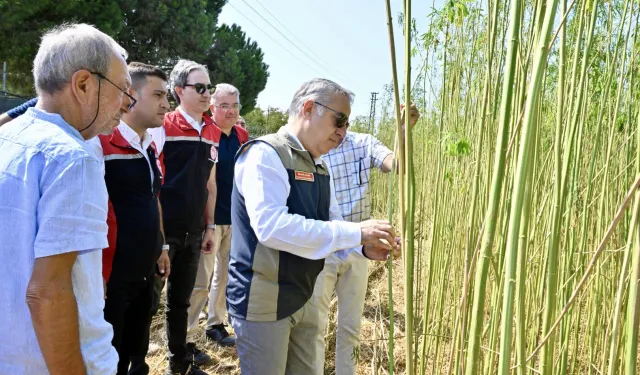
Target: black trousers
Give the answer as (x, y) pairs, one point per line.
(128, 310)
(184, 252)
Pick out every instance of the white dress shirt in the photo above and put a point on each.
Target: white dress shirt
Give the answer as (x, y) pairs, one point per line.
(263, 182)
(134, 140)
(159, 135)
(194, 124)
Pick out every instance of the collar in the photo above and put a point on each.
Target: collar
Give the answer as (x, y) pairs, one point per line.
(233, 129)
(194, 124)
(347, 138)
(295, 143)
(132, 137)
(54, 118)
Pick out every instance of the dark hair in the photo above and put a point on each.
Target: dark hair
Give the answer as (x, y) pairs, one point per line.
(140, 71)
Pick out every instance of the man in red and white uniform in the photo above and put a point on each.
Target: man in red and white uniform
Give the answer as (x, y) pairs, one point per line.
(188, 146)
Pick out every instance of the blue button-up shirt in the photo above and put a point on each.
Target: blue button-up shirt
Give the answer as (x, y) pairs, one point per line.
(53, 200)
(229, 146)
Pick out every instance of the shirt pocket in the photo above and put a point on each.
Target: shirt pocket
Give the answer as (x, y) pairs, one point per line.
(354, 171)
(359, 172)
(365, 170)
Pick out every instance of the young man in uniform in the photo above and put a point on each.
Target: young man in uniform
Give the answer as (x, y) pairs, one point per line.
(133, 177)
(187, 142)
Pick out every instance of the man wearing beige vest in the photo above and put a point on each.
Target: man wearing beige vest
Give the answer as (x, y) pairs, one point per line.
(285, 222)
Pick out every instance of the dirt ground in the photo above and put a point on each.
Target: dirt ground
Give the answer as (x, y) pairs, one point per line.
(372, 354)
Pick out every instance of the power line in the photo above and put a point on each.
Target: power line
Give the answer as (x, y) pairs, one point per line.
(275, 41)
(287, 38)
(301, 42)
(284, 36)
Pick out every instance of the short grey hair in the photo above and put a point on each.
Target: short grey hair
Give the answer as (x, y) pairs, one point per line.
(225, 89)
(70, 47)
(180, 73)
(318, 89)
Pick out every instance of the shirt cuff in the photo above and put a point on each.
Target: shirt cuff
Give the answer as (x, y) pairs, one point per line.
(361, 252)
(384, 157)
(350, 235)
(81, 245)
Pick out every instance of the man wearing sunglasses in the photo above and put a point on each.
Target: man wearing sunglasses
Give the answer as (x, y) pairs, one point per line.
(285, 222)
(188, 142)
(133, 175)
(53, 223)
(345, 271)
(214, 262)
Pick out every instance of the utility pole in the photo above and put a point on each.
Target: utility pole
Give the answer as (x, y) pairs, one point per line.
(4, 78)
(372, 111)
(268, 113)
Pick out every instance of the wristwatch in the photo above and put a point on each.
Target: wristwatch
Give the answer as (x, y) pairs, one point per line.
(165, 247)
(364, 253)
(211, 226)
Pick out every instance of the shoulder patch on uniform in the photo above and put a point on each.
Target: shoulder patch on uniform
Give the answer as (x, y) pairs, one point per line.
(304, 176)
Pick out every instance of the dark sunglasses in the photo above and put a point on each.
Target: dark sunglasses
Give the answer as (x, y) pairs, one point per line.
(201, 87)
(341, 121)
(131, 98)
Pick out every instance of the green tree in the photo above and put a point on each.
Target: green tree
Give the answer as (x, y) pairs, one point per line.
(233, 58)
(256, 122)
(261, 122)
(22, 26)
(162, 31)
(157, 32)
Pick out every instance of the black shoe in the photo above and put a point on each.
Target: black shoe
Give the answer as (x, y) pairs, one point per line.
(220, 335)
(192, 369)
(138, 366)
(196, 355)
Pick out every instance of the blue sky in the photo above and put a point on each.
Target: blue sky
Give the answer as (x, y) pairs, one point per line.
(343, 40)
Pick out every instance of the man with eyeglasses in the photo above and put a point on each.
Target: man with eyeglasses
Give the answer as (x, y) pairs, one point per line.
(225, 106)
(53, 222)
(346, 271)
(188, 142)
(285, 222)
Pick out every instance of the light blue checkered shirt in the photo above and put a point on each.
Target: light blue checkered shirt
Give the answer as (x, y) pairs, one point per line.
(350, 165)
(53, 200)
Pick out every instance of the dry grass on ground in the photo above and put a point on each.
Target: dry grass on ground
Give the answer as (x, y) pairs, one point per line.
(373, 335)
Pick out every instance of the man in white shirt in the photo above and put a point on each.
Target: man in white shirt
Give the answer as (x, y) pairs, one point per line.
(285, 222)
(345, 271)
(133, 175)
(188, 143)
(53, 211)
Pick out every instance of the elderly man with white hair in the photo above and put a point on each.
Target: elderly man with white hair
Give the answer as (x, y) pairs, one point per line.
(53, 211)
(285, 222)
(225, 107)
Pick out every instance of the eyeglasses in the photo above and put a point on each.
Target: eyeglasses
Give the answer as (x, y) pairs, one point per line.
(201, 87)
(226, 107)
(131, 98)
(341, 121)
